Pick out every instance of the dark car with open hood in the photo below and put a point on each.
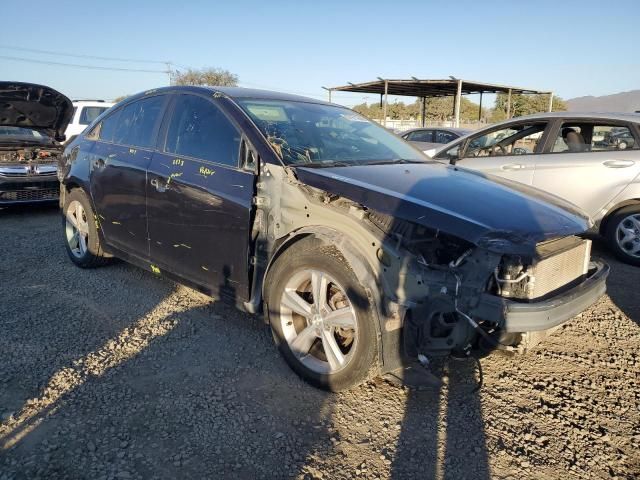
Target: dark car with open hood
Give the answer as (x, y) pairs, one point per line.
(32, 123)
(365, 257)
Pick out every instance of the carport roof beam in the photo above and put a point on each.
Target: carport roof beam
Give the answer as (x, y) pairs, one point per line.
(432, 88)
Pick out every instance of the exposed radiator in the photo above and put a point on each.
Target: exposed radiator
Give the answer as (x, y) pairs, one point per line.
(558, 264)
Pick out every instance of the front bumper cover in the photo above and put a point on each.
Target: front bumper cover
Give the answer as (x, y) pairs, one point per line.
(519, 317)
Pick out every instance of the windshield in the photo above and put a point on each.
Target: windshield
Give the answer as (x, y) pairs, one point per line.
(312, 134)
(22, 133)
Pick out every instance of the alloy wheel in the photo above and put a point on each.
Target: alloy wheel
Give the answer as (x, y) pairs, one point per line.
(77, 229)
(318, 321)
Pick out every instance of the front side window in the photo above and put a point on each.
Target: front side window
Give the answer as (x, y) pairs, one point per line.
(107, 127)
(576, 137)
(313, 134)
(512, 140)
(89, 114)
(199, 129)
(137, 122)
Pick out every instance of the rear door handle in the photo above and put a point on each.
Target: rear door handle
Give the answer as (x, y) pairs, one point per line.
(159, 186)
(618, 163)
(513, 166)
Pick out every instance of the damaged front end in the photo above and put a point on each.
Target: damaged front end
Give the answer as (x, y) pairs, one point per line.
(453, 283)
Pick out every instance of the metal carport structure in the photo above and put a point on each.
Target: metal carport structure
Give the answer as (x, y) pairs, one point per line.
(424, 89)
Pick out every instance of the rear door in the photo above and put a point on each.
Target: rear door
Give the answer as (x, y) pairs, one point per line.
(121, 155)
(592, 171)
(199, 201)
(507, 151)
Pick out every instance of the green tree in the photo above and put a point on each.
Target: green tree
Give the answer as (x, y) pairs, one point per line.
(206, 76)
(524, 105)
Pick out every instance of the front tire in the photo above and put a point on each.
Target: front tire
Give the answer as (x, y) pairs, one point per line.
(321, 317)
(623, 234)
(81, 231)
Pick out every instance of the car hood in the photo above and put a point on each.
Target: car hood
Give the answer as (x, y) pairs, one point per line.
(490, 212)
(34, 106)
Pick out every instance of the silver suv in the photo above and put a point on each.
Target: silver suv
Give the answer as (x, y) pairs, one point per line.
(591, 160)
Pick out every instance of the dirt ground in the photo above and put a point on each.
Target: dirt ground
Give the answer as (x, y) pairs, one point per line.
(115, 374)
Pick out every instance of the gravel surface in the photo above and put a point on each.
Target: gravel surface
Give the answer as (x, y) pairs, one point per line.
(116, 374)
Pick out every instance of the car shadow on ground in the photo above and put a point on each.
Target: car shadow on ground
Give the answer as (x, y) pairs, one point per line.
(114, 372)
(622, 274)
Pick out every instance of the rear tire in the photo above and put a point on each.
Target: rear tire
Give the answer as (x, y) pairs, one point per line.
(330, 342)
(80, 227)
(623, 234)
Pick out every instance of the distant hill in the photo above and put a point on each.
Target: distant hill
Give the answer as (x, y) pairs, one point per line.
(618, 102)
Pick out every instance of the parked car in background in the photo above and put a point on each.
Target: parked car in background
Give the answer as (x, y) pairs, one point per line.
(85, 112)
(591, 160)
(619, 138)
(364, 253)
(431, 138)
(33, 119)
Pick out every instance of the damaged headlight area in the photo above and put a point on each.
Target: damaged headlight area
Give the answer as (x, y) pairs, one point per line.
(443, 310)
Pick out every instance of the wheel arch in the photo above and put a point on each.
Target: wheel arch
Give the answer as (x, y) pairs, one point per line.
(602, 229)
(347, 247)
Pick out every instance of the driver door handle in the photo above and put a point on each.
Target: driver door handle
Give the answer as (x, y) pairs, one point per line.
(618, 163)
(513, 166)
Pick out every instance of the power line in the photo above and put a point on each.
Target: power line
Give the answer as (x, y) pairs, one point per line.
(94, 57)
(76, 65)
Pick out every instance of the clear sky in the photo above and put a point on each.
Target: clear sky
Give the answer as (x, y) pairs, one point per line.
(574, 48)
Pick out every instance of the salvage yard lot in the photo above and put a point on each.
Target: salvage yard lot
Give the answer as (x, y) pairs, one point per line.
(114, 373)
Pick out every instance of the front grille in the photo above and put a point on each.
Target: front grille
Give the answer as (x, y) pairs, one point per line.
(30, 195)
(558, 265)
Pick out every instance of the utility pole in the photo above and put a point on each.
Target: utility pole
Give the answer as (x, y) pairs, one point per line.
(169, 72)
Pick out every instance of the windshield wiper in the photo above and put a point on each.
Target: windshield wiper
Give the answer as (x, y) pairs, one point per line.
(394, 161)
(332, 163)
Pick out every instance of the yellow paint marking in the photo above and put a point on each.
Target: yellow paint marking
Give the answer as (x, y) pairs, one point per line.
(116, 223)
(206, 171)
(178, 161)
(155, 269)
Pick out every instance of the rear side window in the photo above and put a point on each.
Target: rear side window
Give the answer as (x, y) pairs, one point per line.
(421, 136)
(199, 129)
(576, 137)
(137, 122)
(89, 114)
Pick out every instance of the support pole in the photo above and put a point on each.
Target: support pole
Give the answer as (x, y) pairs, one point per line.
(424, 111)
(480, 109)
(384, 109)
(457, 101)
(329, 92)
(551, 101)
(509, 104)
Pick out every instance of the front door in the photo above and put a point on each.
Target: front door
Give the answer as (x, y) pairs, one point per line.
(508, 152)
(199, 201)
(120, 158)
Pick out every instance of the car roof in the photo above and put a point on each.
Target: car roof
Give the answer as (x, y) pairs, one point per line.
(461, 131)
(627, 117)
(92, 103)
(235, 93)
